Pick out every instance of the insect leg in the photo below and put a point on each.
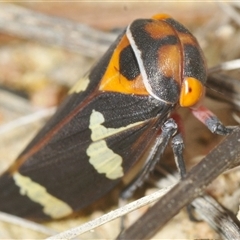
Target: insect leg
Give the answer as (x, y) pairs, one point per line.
(168, 129)
(211, 121)
(177, 146)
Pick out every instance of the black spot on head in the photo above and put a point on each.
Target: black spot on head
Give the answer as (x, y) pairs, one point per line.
(128, 64)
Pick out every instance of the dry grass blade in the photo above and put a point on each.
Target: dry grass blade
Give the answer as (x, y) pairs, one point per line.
(73, 36)
(222, 86)
(72, 233)
(19, 122)
(26, 224)
(230, 11)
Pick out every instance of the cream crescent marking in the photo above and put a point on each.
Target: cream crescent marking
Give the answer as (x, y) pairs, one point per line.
(80, 86)
(52, 206)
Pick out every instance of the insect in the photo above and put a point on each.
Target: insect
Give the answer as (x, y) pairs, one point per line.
(117, 115)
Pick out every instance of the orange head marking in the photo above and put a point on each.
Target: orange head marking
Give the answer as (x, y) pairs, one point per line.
(192, 92)
(161, 16)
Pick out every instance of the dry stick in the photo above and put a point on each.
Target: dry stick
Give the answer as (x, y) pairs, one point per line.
(225, 156)
(77, 37)
(224, 222)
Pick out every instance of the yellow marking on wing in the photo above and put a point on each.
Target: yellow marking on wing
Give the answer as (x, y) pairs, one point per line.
(102, 158)
(105, 160)
(52, 206)
(80, 86)
(100, 132)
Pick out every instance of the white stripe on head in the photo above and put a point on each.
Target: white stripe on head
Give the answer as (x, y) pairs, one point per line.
(138, 55)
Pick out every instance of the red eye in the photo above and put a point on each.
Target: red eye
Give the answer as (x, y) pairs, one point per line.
(191, 93)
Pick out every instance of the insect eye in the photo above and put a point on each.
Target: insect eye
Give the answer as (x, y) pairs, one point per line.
(191, 93)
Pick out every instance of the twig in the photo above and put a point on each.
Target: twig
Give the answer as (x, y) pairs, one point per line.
(212, 212)
(219, 218)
